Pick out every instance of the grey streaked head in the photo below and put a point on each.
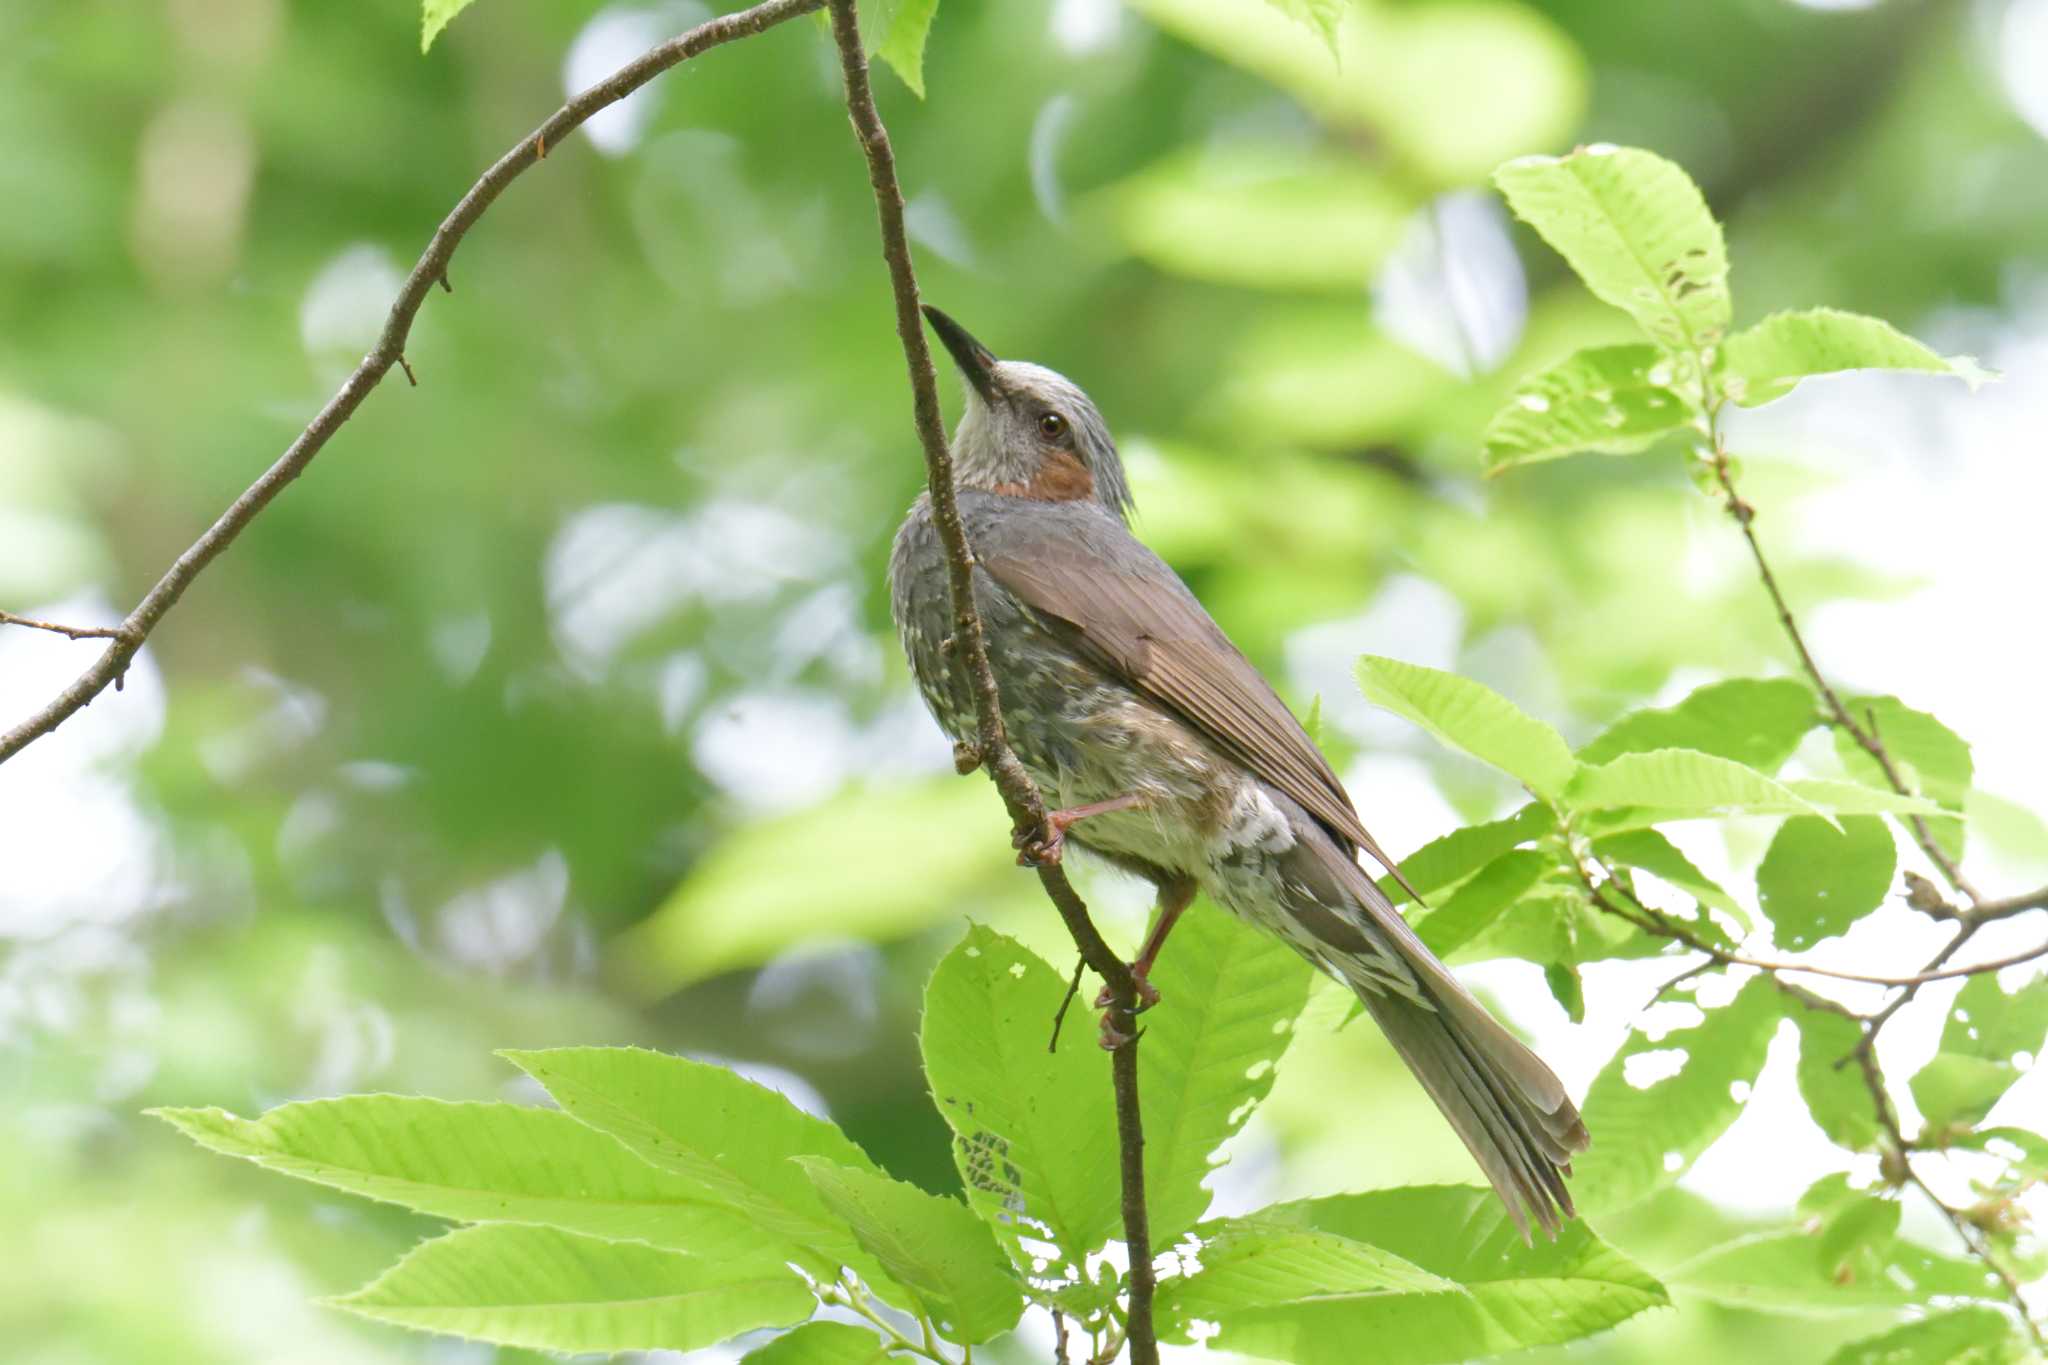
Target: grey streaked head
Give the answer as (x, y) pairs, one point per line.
(1028, 431)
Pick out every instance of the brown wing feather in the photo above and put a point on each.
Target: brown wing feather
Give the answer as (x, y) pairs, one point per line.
(1136, 616)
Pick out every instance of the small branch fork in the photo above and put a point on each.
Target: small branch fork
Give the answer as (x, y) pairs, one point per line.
(991, 748)
(432, 269)
(1923, 895)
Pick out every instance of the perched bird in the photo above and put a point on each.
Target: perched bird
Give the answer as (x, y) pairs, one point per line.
(1169, 755)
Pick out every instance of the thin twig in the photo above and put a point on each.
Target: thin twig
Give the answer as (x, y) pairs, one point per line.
(970, 654)
(8, 618)
(432, 269)
(1059, 1016)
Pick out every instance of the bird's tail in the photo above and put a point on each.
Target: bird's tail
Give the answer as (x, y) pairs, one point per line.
(1508, 1107)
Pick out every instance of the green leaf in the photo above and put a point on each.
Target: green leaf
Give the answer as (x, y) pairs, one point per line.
(935, 1247)
(434, 16)
(1610, 400)
(1835, 1094)
(1818, 879)
(1649, 851)
(1512, 1295)
(1033, 1133)
(897, 35)
(1229, 998)
(1757, 722)
(727, 1136)
(1961, 1336)
(1636, 229)
(1786, 1271)
(1934, 761)
(1266, 216)
(1475, 906)
(1450, 858)
(1567, 989)
(1472, 717)
(554, 1291)
(1764, 362)
(476, 1162)
(794, 878)
(1251, 1263)
(1320, 17)
(821, 1343)
(1649, 1134)
(1681, 784)
(1986, 1031)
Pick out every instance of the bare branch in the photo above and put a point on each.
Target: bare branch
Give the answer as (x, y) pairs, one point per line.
(970, 654)
(432, 269)
(8, 618)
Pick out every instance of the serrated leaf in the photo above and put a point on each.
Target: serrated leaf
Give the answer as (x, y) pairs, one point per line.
(1474, 907)
(1651, 1133)
(1034, 1134)
(1637, 230)
(1450, 858)
(1961, 1336)
(1818, 879)
(1784, 1271)
(1765, 362)
(935, 1247)
(1850, 798)
(1470, 716)
(1249, 1263)
(821, 1343)
(1608, 400)
(1833, 1087)
(897, 35)
(1757, 722)
(549, 1290)
(434, 16)
(1986, 1031)
(1229, 997)
(1267, 216)
(1511, 1295)
(1649, 851)
(730, 1138)
(476, 1162)
(1933, 759)
(1680, 784)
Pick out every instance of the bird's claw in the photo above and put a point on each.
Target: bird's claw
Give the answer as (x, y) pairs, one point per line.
(1105, 1000)
(1040, 848)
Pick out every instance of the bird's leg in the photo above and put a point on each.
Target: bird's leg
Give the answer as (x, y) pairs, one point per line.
(1174, 898)
(1042, 848)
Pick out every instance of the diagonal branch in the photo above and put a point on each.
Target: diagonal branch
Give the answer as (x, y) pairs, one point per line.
(8, 618)
(432, 269)
(970, 654)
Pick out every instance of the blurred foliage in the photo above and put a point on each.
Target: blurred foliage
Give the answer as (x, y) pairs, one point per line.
(473, 739)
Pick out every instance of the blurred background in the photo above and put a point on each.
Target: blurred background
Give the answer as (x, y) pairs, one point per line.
(558, 703)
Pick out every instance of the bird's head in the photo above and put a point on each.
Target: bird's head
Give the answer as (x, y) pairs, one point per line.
(1027, 431)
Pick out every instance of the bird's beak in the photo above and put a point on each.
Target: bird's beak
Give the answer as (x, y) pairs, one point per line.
(975, 360)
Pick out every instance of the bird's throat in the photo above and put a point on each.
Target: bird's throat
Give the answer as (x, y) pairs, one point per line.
(1063, 478)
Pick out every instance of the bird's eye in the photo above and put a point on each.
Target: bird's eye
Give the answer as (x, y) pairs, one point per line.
(1052, 426)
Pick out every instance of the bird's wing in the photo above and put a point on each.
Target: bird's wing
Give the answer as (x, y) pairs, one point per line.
(1131, 612)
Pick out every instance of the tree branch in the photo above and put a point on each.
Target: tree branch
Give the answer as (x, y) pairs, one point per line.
(8, 618)
(432, 269)
(970, 654)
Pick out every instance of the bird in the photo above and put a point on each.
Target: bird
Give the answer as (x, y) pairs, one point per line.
(1161, 749)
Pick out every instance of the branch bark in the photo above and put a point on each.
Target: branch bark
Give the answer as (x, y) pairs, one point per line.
(389, 351)
(970, 654)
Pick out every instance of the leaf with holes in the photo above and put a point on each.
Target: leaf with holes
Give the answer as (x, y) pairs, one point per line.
(1608, 400)
(1764, 362)
(1636, 229)
(1987, 1033)
(1757, 722)
(1651, 1130)
(1230, 996)
(549, 1290)
(1472, 717)
(1500, 1295)
(1818, 879)
(477, 1162)
(934, 1246)
(726, 1135)
(1036, 1147)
